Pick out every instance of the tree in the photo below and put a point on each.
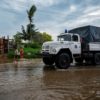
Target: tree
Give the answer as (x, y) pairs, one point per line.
(31, 27)
(17, 38)
(46, 37)
(42, 37)
(30, 33)
(31, 12)
(23, 34)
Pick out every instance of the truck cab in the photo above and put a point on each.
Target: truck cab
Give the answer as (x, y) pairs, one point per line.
(62, 51)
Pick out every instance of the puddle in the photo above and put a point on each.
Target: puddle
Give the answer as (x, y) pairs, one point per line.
(37, 82)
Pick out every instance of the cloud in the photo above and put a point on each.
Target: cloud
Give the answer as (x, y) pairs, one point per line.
(45, 3)
(73, 8)
(16, 5)
(20, 5)
(52, 16)
(74, 17)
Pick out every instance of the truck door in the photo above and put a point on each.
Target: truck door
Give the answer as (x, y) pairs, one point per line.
(76, 47)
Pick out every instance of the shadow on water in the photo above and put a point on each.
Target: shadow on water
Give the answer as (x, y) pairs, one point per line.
(84, 66)
(68, 84)
(52, 67)
(75, 66)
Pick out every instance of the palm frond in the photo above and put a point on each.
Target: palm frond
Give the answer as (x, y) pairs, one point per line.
(31, 12)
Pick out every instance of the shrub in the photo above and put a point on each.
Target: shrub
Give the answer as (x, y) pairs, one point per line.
(32, 53)
(10, 54)
(32, 45)
(28, 53)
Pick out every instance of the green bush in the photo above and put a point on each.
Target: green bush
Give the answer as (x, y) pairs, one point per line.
(28, 53)
(11, 54)
(32, 53)
(32, 45)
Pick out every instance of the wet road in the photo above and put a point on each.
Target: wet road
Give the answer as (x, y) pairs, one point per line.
(32, 80)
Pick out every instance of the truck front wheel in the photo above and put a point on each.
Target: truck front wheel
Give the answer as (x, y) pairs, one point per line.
(48, 61)
(63, 61)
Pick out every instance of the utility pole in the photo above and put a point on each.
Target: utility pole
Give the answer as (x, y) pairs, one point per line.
(8, 43)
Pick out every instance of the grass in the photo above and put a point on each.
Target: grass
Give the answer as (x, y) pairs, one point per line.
(28, 53)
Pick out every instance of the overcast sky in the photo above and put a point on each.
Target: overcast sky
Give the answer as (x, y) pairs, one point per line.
(52, 16)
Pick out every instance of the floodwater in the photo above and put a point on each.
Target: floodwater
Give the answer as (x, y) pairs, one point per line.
(32, 80)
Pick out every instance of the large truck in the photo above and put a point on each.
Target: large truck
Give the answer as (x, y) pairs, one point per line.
(80, 44)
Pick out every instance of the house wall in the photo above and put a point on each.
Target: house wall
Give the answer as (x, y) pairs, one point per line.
(3, 45)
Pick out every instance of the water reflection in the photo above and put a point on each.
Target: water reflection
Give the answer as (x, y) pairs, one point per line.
(51, 67)
(39, 82)
(81, 84)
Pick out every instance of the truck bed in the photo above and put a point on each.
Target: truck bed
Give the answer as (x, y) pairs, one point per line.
(94, 46)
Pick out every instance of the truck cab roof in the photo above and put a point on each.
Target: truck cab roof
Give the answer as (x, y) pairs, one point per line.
(68, 34)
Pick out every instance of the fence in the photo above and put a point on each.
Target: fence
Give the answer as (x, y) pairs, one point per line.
(3, 45)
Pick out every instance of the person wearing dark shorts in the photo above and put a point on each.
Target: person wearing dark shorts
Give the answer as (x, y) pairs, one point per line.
(16, 55)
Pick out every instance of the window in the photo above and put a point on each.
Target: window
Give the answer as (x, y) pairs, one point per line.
(64, 38)
(75, 38)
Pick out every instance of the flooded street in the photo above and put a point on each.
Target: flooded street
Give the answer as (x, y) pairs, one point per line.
(34, 81)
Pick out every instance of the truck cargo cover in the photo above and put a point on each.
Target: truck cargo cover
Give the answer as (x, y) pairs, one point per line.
(88, 33)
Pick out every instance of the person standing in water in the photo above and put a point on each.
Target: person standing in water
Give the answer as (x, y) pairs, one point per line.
(21, 53)
(16, 55)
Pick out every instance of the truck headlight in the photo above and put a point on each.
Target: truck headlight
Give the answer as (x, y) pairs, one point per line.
(53, 50)
(46, 47)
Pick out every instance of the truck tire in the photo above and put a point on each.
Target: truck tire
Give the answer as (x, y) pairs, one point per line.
(48, 61)
(97, 58)
(63, 61)
(79, 60)
(89, 61)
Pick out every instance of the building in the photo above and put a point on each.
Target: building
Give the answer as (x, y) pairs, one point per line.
(4, 45)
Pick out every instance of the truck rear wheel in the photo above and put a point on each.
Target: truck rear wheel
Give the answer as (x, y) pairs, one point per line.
(48, 61)
(97, 58)
(63, 61)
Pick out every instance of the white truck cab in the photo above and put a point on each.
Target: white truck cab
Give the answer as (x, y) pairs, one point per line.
(61, 52)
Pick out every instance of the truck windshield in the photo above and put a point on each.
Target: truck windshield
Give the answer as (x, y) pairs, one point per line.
(64, 38)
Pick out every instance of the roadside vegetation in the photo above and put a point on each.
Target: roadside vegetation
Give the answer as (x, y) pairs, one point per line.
(30, 38)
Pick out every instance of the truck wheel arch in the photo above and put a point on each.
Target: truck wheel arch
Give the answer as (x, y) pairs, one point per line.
(66, 51)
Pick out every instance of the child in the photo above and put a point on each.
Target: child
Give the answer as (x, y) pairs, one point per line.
(21, 53)
(16, 55)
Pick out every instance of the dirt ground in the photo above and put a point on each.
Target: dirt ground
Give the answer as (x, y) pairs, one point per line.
(32, 80)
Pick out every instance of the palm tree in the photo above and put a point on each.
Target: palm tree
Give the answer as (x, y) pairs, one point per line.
(30, 26)
(24, 34)
(31, 12)
(28, 33)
